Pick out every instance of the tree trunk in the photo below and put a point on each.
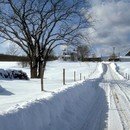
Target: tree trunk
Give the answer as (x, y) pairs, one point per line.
(33, 69)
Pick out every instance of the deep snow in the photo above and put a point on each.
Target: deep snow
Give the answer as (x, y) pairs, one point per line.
(24, 91)
(123, 68)
(100, 102)
(63, 108)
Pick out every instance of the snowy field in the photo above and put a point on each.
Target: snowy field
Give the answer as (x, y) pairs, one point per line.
(15, 92)
(99, 102)
(124, 67)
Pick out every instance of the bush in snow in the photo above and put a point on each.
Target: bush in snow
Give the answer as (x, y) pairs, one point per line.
(13, 74)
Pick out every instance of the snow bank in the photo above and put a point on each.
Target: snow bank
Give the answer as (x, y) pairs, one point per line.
(116, 70)
(123, 68)
(30, 109)
(62, 110)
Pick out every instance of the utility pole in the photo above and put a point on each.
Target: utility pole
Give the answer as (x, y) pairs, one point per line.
(113, 55)
(114, 50)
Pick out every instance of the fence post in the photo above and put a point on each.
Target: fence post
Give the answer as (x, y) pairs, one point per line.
(80, 76)
(74, 76)
(63, 76)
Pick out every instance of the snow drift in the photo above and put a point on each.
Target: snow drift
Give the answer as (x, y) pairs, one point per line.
(116, 70)
(62, 110)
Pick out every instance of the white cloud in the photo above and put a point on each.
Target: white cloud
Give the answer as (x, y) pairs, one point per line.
(112, 26)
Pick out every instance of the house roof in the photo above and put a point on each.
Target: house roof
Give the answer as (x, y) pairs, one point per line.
(128, 54)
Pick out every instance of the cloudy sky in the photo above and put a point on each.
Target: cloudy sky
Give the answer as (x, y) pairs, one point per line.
(112, 26)
(111, 29)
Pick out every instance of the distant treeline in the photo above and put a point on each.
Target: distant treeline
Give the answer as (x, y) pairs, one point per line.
(93, 59)
(4, 57)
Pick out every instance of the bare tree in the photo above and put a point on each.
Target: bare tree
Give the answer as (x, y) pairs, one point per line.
(82, 52)
(40, 26)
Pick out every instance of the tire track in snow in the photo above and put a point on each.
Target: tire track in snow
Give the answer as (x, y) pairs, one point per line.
(95, 118)
(125, 119)
(119, 109)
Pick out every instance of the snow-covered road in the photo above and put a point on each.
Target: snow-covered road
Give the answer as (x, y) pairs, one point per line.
(119, 101)
(111, 110)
